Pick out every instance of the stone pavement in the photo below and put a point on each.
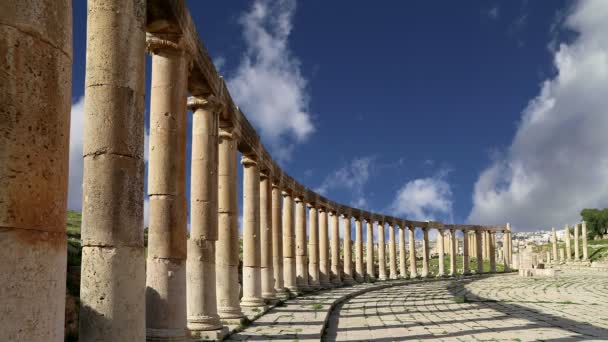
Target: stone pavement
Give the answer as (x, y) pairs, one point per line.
(496, 308)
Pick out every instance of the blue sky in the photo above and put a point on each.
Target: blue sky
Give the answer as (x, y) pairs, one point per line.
(471, 111)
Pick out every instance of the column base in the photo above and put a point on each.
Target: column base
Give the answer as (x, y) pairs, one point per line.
(203, 323)
(269, 296)
(167, 335)
(441, 275)
(382, 277)
(326, 284)
(359, 278)
(282, 293)
(467, 272)
(348, 280)
(394, 276)
(230, 313)
(252, 302)
(209, 335)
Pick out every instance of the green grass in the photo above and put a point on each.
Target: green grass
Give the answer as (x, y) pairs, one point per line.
(596, 249)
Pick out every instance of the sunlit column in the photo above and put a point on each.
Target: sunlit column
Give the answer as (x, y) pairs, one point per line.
(277, 241)
(402, 257)
(492, 251)
(347, 250)
(381, 251)
(392, 251)
(568, 244)
(576, 237)
(359, 269)
(266, 238)
(289, 243)
(336, 277)
(479, 247)
(453, 251)
(584, 237)
(369, 249)
(313, 246)
(301, 255)
(554, 243)
(324, 273)
(425, 253)
(440, 252)
(465, 252)
(412, 244)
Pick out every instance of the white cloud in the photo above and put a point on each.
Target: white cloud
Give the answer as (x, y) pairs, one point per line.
(557, 163)
(352, 177)
(494, 12)
(424, 199)
(268, 84)
(76, 162)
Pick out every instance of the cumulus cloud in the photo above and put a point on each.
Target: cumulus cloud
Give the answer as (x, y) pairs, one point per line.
(425, 199)
(557, 163)
(351, 177)
(268, 84)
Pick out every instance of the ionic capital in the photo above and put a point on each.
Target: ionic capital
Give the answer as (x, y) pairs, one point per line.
(209, 103)
(165, 42)
(228, 131)
(249, 160)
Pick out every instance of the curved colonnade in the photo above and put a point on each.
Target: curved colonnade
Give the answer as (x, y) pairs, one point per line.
(187, 287)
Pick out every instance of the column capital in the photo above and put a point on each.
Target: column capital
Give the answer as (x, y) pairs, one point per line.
(298, 198)
(228, 131)
(209, 103)
(249, 160)
(163, 41)
(311, 205)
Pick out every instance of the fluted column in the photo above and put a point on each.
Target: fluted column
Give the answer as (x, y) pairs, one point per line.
(392, 251)
(200, 266)
(381, 252)
(289, 243)
(576, 237)
(568, 244)
(313, 247)
(35, 99)
(412, 242)
(425, 253)
(336, 277)
(227, 245)
(465, 252)
(440, 252)
(266, 260)
(402, 258)
(584, 237)
(347, 250)
(166, 264)
(301, 257)
(554, 243)
(479, 247)
(369, 249)
(453, 252)
(324, 272)
(492, 252)
(277, 241)
(359, 270)
(252, 279)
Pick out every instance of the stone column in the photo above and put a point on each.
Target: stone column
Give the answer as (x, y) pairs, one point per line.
(266, 261)
(252, 278)
(554, 243)
(453, 252)
(313, 247)
(167, 239)
(200, 265)
(324, 273)
(369, 249)
(35, 99)
(359, 270)
(381, 252)
(548, 257)
(348, 251)
(465, 252)
(227, 245)
(425, 253)
(402, 258)
(567, 239)
(440, 252)
(505, 251)
(510, 245)
(492, 251)
(289, 243)
(479, 247)
(412, 242)
(576, 252)
(277, 241)
(562, 255)
(584, 236)
(392, 251)
(336, 277)
(301, 257)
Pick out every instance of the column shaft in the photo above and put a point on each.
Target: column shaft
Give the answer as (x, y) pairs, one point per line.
(412, 242)
(266, 239)
(252, 279)
(479, 247)
(313, 247)
(381, 252)
(348, 251)
(402, 258)
(167, 239)
(584, 237)
(359, 270)
(492, 251)
(324, 276)
(568, 244)
(277, 241)
(425, 253)
(200, 265)
(369, 249)
(35, 99)
(289, 243)
(440, 252)
(301, 257)
(465, 252)
(392, 251)
(453, 252)
(554, 243)
(227, 245)
(576, 249)
(336, 277)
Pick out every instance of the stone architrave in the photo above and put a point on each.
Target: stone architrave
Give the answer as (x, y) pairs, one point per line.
(35, 100)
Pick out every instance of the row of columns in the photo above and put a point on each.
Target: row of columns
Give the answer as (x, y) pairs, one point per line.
(580, 237)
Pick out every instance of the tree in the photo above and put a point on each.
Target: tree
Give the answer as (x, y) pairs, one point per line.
(597, 221)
